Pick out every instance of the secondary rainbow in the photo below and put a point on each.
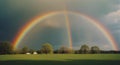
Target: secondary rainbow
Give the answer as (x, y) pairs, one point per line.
(28, 26)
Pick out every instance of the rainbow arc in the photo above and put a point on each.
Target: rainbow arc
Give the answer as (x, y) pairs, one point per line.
(28, 26)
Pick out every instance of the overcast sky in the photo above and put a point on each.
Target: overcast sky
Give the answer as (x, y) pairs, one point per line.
(15, 13)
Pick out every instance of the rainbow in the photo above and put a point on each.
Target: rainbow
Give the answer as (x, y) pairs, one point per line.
(68, 29)
(28, 26)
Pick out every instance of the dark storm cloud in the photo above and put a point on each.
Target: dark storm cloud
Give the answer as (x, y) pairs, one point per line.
(14, 14)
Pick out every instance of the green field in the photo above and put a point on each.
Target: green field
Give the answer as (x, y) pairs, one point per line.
(61, 59)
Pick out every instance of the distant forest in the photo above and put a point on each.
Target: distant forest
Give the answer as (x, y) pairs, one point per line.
(47, 48)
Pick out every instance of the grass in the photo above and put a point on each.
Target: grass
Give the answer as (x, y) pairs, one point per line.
(61, 59)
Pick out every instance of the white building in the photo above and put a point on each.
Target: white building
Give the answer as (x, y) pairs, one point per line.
(35, 53)
(28, 53)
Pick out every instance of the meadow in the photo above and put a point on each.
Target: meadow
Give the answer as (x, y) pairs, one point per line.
(61, 59)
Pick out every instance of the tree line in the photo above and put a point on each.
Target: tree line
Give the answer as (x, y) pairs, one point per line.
(47, 48)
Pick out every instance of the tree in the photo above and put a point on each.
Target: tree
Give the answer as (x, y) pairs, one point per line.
(6, 48)
(64, 49)
(31, 51)
(47, 48)
(16, 51)
(25, 50)
(84, 49)
(39, 51)
(95, 49)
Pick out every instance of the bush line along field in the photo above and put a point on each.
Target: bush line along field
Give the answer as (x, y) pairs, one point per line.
(58, 59)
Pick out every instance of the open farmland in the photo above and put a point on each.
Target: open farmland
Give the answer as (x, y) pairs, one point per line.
(61, 59)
